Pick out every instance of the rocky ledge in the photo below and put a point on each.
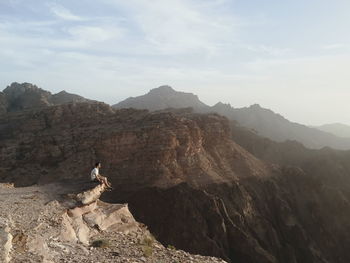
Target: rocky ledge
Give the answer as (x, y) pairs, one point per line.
(51, 224)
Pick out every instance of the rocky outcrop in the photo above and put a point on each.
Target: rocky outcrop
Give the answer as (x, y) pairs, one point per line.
(17, 97)
(184, 176)
(91, 195)
(80, 222)
(49, 225)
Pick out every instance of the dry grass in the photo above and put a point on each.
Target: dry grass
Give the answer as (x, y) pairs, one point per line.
(147, 245)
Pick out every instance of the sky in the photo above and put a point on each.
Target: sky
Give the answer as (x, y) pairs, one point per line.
(290, 56)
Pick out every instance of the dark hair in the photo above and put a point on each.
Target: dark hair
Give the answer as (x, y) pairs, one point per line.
(97, 164)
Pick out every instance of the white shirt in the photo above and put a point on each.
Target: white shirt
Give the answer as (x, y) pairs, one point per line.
(94, 173)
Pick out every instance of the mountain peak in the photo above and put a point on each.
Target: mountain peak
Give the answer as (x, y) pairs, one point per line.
(62, 92)
(18, 88)
(21, 96)
(163, 97)
(221, 104)
(255, 106)
(163, 90)
(27, 85)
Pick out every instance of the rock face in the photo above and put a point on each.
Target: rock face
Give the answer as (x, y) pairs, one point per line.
(159, 149)
(264, 121)
(184, 176)
(17, 97)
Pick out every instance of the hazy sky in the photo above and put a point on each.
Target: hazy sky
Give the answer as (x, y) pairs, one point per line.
(291, 56)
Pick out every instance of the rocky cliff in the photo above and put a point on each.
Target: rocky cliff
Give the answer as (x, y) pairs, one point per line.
(184, 176)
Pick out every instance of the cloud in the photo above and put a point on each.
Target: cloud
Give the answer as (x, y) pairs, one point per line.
(270, 50)
(94, 33)
(334, 46)
(179, 26)
(127, 47)
(63, 13)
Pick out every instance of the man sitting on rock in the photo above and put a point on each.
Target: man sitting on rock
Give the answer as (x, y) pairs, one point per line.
(96, 177)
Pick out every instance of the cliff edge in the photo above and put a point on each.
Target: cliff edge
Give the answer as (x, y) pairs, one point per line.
(53, 223)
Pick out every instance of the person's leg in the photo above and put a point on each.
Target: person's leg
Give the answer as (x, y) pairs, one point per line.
(105, 181)
(100, 179)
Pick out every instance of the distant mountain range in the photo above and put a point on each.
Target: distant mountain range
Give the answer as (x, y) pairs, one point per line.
(338, 129)
(264, 122)
(24, 96)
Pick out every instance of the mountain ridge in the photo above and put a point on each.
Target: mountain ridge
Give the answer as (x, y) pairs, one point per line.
(264, 121)
(338, 129)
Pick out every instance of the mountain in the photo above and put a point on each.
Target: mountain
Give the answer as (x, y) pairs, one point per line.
(265, 122)
(189, 181)
(338, 129)
(268, 124)
(319, 164)
(25, 96)
(65, 97)
(162, 98)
